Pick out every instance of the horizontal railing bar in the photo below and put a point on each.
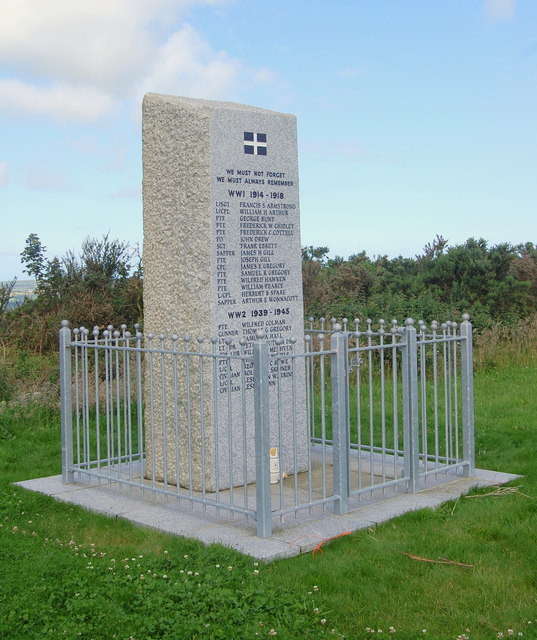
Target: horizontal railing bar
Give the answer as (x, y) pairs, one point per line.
(167, 492)
(444, 468)
(380, 485)
(305, 505)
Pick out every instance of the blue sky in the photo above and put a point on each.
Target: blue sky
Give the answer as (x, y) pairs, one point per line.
(415, 117)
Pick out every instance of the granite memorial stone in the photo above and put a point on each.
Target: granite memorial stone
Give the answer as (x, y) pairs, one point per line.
(222, 257)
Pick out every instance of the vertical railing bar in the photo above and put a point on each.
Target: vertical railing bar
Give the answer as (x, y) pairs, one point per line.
(66, 400)
(189, 416)
(456, 344)
(175, 398)
(217, 363)
(163, 412)
(279, 423)
(127, 415)
(242, 362)
(358, 403)
(382, 403)
(423, 381)
(152, 426)
(410, 405)
(118, 403)
(309, 461)
(86, 447)
(395, 399)
(229, 372)
(322, 389)
(108, 405)
(294, 427)
(97, 402)
(446, 394)
(139, 404)
(340, 419)
(76, 352)
(435, 396)
(202, 422)
(262, 436)
(371, 405)
(467, 387)
(307, 371)
(450, 394)
(312, 385)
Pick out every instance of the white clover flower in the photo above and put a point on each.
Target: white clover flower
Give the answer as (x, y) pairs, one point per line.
(315, 588)
(255, 572)
(230, 568)
(322, 620)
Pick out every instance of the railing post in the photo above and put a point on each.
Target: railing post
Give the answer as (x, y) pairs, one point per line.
(66, 413)
(262, 435)
(410, 404)
(467, 382)
(340, 418)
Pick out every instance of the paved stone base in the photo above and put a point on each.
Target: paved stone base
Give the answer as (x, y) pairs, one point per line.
(290, 538)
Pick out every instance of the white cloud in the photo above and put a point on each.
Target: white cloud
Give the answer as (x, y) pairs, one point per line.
(3, 174)
(103, 42)
(77, 60)
(499, 10)
(187, 65)
(39, 179)
(70, 102)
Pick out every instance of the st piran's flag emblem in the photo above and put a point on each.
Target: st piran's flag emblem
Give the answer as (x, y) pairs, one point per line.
(255, 143)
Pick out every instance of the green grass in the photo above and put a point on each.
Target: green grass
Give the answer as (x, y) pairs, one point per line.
(64, 570)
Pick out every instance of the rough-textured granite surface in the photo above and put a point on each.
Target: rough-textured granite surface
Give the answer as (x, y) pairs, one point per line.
(221, 259)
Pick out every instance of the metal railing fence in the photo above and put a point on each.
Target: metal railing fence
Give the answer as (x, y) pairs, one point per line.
(269, 430)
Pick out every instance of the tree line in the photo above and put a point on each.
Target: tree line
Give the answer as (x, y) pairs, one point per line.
(495, 284)
(103, 285)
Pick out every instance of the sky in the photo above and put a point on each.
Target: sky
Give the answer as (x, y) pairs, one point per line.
(415, 117)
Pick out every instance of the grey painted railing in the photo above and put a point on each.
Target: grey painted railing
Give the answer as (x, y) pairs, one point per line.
(386, 410)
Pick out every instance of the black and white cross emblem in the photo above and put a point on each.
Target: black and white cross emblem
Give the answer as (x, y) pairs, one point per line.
(255, 143)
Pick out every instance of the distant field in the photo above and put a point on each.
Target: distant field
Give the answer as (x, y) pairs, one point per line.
(21, 290)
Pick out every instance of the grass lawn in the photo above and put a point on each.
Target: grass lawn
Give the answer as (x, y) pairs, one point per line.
(67, 573)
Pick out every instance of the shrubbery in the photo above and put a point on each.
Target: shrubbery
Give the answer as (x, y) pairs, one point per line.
(98, 287)
(103, 285)
(495, 284)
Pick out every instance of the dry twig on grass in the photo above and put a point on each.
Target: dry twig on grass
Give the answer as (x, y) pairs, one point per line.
(501, 491)
(439, 561)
